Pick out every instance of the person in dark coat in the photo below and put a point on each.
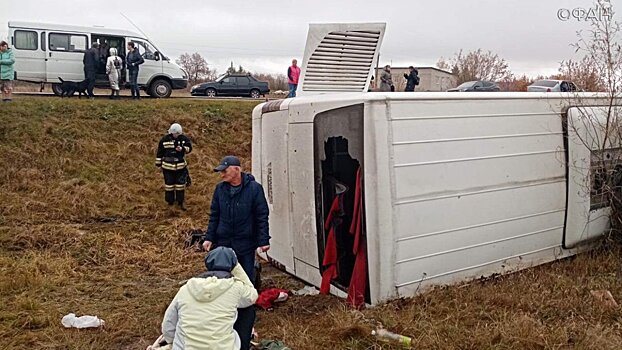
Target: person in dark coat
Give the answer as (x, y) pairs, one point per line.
(239, 220)
(133, 60)
(412, 79)
(91, 61)
(170, 156)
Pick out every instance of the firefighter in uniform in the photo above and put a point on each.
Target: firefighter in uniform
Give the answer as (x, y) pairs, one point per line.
(172, 149)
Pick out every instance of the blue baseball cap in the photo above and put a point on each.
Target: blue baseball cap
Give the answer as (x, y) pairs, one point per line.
(227, 162)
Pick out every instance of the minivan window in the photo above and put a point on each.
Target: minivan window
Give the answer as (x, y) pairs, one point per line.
(68, 42)
(25, 40)
(145, 50)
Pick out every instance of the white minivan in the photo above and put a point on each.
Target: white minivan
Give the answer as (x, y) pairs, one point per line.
(46, 52)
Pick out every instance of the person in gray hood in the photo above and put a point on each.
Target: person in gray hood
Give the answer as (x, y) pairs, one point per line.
(202, 314)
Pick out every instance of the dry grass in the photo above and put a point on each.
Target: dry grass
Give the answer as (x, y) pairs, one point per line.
(547, 307)
(84, 229)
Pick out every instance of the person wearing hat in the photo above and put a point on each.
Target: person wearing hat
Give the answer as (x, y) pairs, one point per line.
(202, 314)
(170, 156)
(239, 220)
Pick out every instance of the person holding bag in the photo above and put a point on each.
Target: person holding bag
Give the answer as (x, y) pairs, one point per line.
(113, 69)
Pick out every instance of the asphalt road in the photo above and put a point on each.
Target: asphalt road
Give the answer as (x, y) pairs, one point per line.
(101, 96)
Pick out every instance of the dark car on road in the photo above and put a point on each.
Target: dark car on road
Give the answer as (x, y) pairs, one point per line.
(476, 85)
(232, 85)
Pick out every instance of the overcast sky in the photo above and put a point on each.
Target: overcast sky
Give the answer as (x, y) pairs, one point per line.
(263, 36)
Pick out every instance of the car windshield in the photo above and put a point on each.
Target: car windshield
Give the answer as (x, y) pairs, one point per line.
(546, 83)
(468, 84)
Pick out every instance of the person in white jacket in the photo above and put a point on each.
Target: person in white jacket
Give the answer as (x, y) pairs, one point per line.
(114, 64)
(202, 314)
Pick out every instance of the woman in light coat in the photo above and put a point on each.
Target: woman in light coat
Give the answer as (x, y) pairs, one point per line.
(202, 314)
(385, 79)
(114, 64)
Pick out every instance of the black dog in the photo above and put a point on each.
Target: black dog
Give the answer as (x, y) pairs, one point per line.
(68, 88)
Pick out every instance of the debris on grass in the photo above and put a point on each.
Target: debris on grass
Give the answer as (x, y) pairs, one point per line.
(86, 321)
(605, 298)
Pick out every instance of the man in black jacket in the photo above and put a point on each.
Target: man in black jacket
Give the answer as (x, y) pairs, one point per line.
(91, 61)
(239, 220)
(412, 79)
(172, 149)
(134, 59)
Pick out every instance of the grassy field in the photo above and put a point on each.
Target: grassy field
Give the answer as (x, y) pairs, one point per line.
(84, 229)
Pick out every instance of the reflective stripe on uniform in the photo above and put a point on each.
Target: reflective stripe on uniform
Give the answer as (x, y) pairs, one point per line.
(173, 166)
(158, 161)
(169, 187)
(168, 144)
(180, 187)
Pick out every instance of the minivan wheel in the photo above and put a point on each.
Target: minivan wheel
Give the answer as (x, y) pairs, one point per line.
(210, 92)
(160, 88)
(57, 90)
(255, 93)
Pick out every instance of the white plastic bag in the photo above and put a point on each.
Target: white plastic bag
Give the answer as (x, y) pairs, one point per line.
(282, 297)
(70, 320)
(308, 290)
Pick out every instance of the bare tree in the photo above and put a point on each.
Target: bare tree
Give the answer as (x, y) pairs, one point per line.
(476, 65)
(515, 83)
(196, 67)
(232, 70)
(275, 81)
(584, 73)
(599, 128)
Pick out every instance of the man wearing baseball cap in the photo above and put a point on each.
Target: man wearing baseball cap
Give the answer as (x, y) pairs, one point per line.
(239, 220)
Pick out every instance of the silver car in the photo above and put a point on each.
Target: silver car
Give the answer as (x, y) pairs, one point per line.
(549, 85)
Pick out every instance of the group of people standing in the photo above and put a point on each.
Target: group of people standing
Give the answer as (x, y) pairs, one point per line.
(386, 80)
(113, 67)
(215, 310)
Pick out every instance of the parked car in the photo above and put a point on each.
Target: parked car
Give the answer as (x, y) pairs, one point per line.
(476, 85)
(232, 85)
(549, 85)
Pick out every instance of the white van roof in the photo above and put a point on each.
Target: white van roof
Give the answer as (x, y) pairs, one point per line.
(70, 28)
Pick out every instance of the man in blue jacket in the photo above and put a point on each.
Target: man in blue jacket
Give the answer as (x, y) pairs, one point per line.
(239, 220)
(134, 59)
